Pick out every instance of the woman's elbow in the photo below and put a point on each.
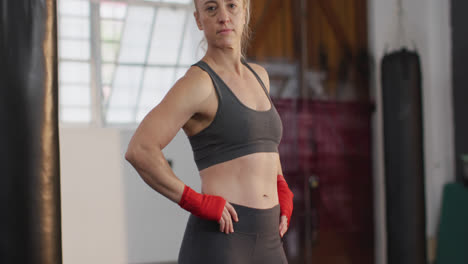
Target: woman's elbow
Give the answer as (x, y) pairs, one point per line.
(129, 156)
(137, 153)
(132, 154)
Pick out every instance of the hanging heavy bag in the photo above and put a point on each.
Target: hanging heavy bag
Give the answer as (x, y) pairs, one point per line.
(30, 207)
(404, 164)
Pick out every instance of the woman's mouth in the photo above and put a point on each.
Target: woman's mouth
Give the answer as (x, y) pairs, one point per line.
(225, 31)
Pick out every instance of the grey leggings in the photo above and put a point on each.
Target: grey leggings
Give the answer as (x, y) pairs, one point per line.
(255, 240)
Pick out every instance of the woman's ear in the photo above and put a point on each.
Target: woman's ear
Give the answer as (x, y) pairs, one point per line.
(197, 19)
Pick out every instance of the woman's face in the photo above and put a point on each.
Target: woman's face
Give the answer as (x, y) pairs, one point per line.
(222, 21)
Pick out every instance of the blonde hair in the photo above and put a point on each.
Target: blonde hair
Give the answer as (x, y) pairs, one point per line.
(246, 32)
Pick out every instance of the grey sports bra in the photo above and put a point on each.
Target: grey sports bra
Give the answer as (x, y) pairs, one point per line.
(236, 129)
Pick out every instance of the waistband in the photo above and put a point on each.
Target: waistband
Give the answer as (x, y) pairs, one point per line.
(251, 220)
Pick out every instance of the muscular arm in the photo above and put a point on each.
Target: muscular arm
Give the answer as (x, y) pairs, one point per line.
(159, 127)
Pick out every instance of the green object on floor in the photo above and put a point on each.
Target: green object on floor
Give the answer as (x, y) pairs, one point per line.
(452, 245)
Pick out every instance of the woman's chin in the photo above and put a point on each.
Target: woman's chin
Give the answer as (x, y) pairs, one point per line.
(225, 44)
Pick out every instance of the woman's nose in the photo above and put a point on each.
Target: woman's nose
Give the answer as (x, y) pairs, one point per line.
(223, 15)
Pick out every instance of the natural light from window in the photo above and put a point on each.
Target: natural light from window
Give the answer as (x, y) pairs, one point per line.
(117, 59)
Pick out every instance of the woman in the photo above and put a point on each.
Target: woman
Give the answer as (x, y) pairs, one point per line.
(224, 108)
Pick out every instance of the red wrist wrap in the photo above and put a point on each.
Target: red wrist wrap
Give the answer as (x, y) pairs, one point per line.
(285, 197)
(205, 206)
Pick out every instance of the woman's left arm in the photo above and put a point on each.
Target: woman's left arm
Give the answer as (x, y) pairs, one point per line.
(285, 197)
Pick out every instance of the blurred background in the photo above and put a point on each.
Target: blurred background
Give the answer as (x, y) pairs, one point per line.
(372, 95)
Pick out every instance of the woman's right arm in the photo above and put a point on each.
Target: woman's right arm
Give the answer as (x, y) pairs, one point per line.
(159, 127)
(153, 134)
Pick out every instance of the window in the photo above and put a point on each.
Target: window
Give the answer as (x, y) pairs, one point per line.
(117, 59)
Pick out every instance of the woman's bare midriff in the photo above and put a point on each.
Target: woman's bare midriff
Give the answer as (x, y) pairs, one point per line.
(248, 180)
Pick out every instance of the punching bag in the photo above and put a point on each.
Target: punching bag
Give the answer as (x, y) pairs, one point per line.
(30, 225)
(404, 163)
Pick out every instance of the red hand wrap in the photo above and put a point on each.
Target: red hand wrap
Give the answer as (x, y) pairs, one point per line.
(205, 206)
(285, 197)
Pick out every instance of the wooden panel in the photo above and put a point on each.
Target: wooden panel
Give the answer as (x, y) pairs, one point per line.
(336, 37)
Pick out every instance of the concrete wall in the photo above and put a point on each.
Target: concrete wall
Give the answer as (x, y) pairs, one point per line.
(426, 25)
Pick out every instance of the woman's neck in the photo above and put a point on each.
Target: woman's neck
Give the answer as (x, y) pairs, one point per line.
(227, 59)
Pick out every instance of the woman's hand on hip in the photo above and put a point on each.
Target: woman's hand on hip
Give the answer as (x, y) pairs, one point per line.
(283, 227)
(225, 223)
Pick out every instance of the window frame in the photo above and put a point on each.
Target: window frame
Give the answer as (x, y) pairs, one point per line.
(98, 109)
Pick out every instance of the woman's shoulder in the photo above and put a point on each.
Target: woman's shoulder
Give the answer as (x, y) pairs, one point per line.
(196, 75)
(193, 88)
(195, 79)
(262, 73)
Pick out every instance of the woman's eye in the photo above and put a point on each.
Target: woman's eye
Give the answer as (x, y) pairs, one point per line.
(232, 5)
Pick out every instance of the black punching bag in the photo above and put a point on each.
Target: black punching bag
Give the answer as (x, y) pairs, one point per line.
(404, 163)
(30, 225)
